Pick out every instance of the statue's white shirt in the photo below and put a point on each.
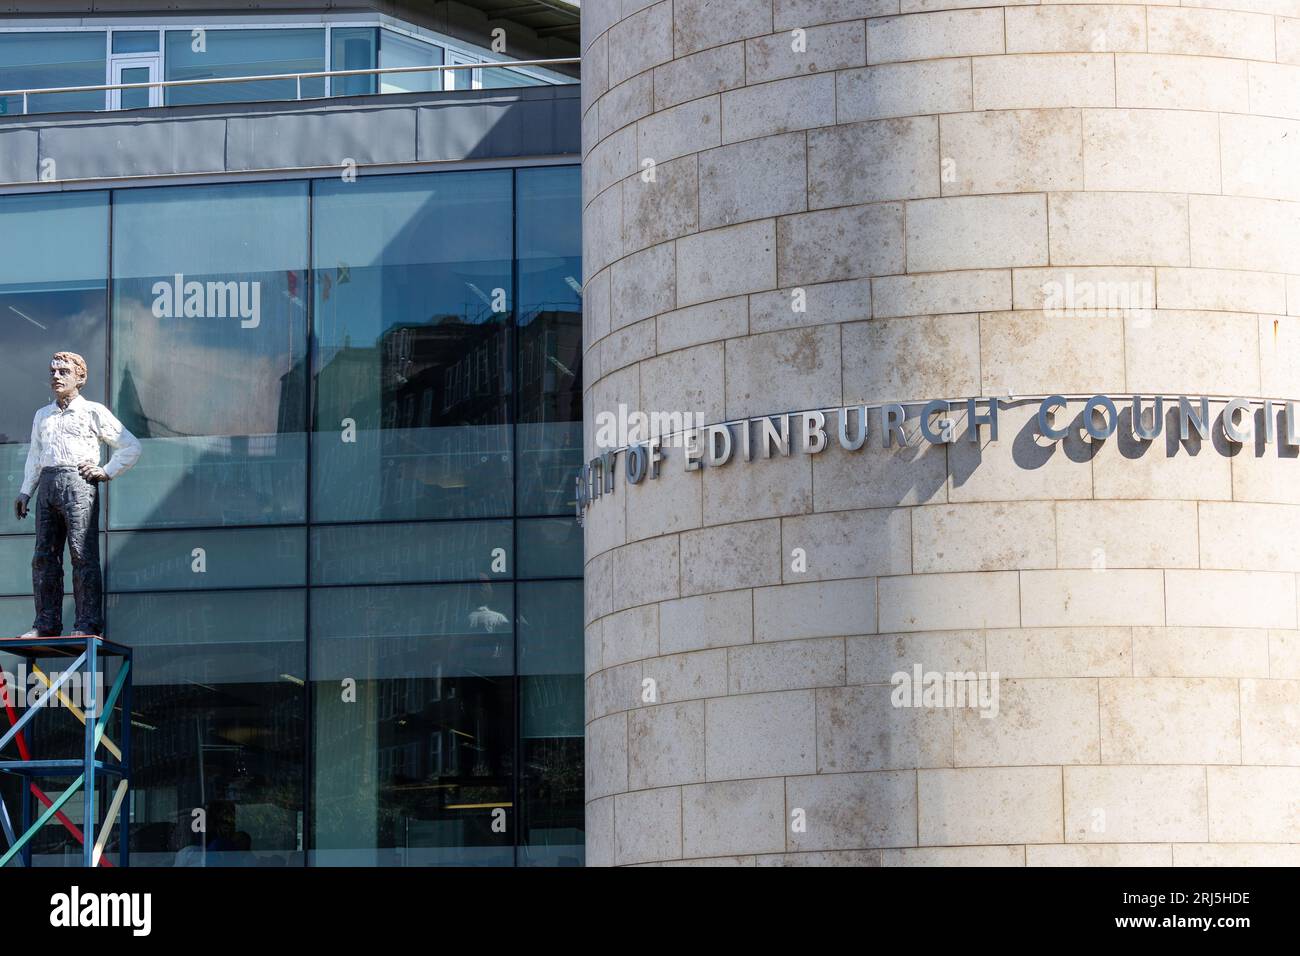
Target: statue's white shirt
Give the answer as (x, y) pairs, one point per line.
(69, 436)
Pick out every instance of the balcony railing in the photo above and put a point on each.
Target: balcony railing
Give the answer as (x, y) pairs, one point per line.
(296, 77)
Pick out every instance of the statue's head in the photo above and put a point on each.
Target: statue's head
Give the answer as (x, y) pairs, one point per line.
(67, 374)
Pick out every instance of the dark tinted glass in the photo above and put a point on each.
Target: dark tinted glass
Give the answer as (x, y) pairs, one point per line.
(550, 726)
(446, 718)
(207, 558)
(218, 718)
(413, 724)
(402, 553)
(550, 548)
(16, 572)
(549, 433)
(16, 613)
(412, 284)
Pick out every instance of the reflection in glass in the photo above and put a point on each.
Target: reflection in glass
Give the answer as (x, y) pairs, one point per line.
(244, 53)
(53, 296)
(218, 711)
(421, 388)
(550, 548)
(551, 730)
(500, 77)
(353, 48)
(400, 553)
(396, 50)
(549, 247)
(207, 559)
(138, 98)
(45, 59)
(16, 570)
(459, 79)
(412, 284)
(135, 41)
(413, 721)
(209, 344)
(16, 612)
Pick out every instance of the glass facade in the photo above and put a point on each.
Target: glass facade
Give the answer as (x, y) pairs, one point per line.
(346, 560)
(230, 53)
(36, 59)
(32, 61)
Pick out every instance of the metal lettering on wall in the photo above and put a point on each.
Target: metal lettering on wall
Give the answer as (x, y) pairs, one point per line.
(1189, 419)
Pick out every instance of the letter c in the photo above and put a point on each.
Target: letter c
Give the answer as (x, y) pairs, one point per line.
(1045, 423)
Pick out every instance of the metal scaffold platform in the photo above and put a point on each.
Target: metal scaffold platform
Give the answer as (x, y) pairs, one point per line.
(94, 771)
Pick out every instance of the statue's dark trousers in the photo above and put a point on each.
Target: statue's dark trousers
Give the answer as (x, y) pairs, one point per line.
(67, 510)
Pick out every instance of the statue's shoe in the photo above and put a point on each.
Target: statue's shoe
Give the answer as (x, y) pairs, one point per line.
(35, 633)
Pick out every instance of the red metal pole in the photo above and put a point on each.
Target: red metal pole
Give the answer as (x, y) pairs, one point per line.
(26, 754)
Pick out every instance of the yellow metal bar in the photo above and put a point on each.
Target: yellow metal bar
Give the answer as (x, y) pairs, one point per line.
(109, 820)
(76, 711)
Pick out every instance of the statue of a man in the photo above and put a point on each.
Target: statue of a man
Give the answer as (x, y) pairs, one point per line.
(63, 470)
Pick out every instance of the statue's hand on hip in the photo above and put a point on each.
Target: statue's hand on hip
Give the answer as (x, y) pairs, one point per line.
(20, 506)
(92, 472)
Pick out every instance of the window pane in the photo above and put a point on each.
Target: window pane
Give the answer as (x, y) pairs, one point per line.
(550, 548)
(400, 553)
(243, 53)
(551, 723)
(135, 99)
(458, 79)
(353, 49)
(549, 433)
(206, 558)
(16, 613)
(396, 50)
(499, 77)
(218, 716)
(16, 568)
(412, 375)
(53, 297)
(16, 572)
(135, 41)
(209, 344)
(410, 764)
(30, 61)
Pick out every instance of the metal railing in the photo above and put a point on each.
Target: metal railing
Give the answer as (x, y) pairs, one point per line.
(297, 77)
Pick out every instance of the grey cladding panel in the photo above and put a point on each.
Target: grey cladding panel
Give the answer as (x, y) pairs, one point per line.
(134, 149)
(402, 128)
(270, 141)
(528, 126)
(18, 155)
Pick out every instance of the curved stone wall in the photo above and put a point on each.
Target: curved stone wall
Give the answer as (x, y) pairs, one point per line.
(997, 201)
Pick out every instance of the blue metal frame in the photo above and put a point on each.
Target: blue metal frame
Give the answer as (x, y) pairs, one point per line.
(89, 772)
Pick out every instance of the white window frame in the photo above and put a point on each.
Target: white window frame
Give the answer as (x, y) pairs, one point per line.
(456, 58)
(128, 61)
(454, 50)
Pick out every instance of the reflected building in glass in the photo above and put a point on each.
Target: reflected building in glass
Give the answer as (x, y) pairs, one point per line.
(347, 560)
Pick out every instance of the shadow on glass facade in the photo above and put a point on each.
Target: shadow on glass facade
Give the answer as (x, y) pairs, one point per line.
(346, 560)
